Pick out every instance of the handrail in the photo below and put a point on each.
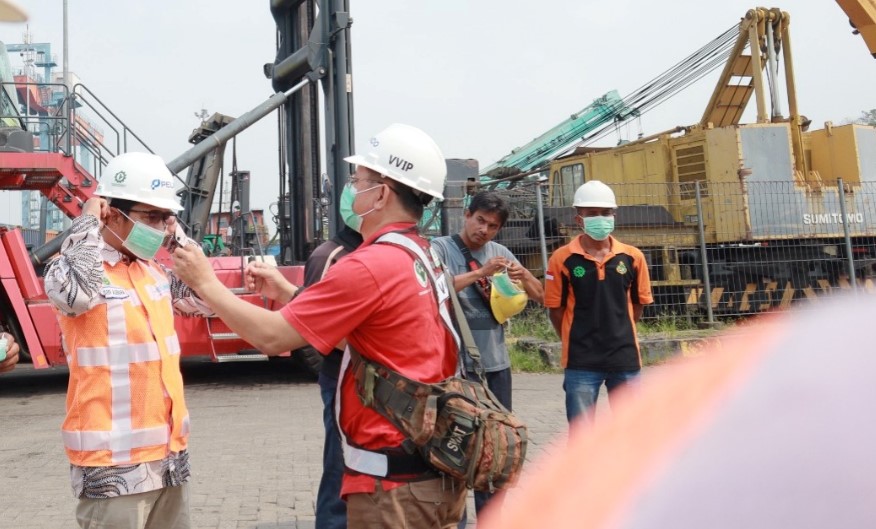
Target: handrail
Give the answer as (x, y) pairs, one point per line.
(26, 120)
(126, 127)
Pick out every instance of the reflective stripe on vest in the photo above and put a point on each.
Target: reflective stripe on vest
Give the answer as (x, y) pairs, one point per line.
(105, 425)
(355, 458)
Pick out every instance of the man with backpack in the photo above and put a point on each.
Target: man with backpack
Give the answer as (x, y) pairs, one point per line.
(389, 301)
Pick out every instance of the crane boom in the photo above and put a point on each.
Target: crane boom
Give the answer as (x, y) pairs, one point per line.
(542, 149)
(862, 16)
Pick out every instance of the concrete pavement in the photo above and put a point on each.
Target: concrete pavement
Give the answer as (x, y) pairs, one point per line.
(256, 444)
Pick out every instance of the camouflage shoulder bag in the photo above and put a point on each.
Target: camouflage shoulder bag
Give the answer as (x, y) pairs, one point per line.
(458, 426)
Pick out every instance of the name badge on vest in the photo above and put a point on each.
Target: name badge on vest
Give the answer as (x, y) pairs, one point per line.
(111, 292)
(441, 286)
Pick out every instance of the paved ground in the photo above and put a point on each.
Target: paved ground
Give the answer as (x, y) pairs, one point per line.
(256, 444)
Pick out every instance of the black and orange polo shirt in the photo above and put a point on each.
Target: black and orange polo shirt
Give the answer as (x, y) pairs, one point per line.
(598, 331)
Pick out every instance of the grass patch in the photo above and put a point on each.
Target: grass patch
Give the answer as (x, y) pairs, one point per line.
(527, 361)
(525, 356)
(532, 323)
(665, 325)
(533, 326)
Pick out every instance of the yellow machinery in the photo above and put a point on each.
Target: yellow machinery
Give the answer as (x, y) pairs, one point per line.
(862, 16)
(755, 208)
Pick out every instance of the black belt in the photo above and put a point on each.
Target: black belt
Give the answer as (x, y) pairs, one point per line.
(402, 466)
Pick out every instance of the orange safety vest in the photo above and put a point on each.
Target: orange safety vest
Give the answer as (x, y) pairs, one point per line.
(125, 402)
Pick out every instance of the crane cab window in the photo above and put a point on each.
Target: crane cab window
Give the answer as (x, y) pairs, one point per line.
(569, 178)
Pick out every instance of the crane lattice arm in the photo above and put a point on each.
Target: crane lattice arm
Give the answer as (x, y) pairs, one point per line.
(542, 149)
(862, 16)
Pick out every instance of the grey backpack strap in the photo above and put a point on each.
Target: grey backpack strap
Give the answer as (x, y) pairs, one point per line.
(443, 287)
(440, 286)
(473, 352)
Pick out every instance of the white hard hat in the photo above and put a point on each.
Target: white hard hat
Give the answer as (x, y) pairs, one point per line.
(408, 155)
(11, 12)
(139, 177)
(594, 194)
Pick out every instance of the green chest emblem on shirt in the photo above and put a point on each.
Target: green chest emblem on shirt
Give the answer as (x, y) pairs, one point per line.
(621, 268)
(420, 272)
(578, 271)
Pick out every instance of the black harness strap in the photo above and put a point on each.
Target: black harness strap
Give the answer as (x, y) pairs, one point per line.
(483, 286)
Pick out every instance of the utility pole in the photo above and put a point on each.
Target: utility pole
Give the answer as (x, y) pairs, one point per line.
(66, 221)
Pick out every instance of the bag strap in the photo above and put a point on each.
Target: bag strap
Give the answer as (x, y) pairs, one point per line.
(440, 287)
(482, 285)
(380, 463)
(467, 338)
(330, 260)
(458, 326)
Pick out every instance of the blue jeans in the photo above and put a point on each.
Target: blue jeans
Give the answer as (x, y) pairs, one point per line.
(499, 383)
(331, 510)
(582, 390)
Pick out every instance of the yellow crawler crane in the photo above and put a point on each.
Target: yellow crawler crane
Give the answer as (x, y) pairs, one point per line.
(740, 218)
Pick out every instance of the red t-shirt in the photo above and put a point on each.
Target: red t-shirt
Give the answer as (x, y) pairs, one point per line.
(375, 299)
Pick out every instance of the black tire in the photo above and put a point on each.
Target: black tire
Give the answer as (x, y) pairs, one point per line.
(308, 359)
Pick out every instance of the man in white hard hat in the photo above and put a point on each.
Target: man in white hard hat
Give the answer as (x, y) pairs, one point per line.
(596, 288)
(472, 257)
(385, 300)
(126, 427)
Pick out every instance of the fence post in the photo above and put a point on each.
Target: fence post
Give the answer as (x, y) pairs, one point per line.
(707, 284)
(850, 260)
(541, 235)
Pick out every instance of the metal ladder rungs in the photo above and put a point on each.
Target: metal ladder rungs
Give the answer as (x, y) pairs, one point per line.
(224, 336)
(242, 357)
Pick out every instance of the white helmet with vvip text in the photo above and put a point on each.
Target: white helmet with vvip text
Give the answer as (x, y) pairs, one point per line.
(139, 177)
(408, 155)
(594, 194)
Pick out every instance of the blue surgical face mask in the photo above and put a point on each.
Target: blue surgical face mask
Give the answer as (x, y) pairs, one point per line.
(345, 208)
(598, 228)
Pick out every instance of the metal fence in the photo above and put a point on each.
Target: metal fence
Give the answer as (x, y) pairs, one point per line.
(713, 250)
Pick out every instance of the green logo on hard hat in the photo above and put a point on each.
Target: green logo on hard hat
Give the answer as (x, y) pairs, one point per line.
(621, 268)
(120, 177)
(578, 271)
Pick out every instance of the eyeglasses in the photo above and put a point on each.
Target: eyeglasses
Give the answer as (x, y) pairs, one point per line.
(154, 216)
(355, 180)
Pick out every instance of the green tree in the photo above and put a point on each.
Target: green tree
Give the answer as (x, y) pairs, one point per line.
(868, 117)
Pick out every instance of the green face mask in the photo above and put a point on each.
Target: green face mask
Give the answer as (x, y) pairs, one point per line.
(143, 241)
(598, 228)
(345, 208)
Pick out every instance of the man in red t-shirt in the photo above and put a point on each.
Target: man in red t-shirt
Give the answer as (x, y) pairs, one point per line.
(381, 300)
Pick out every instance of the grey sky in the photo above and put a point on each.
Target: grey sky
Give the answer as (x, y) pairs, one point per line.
(481, 77)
